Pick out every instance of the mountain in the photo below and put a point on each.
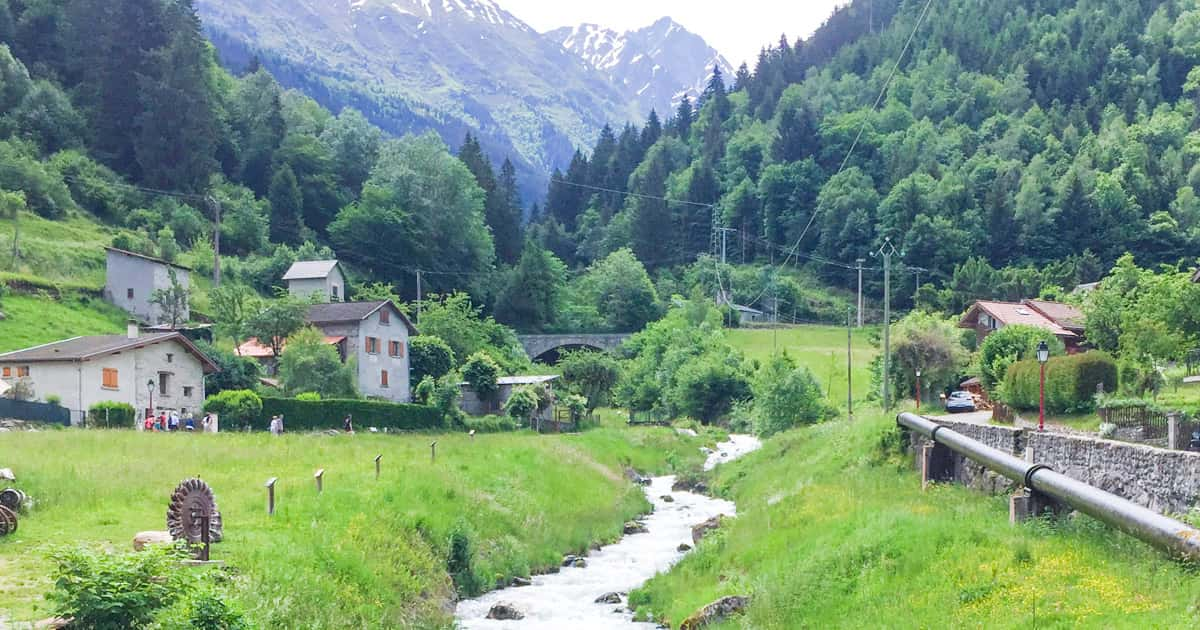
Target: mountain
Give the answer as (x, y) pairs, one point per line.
(653, 67)
(410, 65)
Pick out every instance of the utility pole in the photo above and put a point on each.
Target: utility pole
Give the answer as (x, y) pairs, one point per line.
(418, 296)
(860, 298)
(849, 365)
(216, 209)
(724, 233)
(887, 250)
(726, 298)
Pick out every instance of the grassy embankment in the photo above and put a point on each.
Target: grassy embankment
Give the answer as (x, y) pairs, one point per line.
(821, 348)
(366, 553)
(831, 533)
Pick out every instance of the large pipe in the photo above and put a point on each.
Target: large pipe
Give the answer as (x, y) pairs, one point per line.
(1135, 520)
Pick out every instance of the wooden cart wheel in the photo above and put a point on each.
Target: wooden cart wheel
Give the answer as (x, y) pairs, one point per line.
(12, 499)
(8, 521)
(192, 500)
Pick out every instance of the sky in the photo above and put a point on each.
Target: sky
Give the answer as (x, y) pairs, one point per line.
(736, 29)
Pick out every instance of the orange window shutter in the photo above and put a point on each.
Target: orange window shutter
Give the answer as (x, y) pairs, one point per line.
(383, 378)
(7, 372)
(400, 347)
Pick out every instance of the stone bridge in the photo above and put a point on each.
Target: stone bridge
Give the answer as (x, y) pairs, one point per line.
(538, 345)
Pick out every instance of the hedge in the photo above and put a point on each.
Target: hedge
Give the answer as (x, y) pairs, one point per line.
(303, 415)
(1070, 382)
(109, 414)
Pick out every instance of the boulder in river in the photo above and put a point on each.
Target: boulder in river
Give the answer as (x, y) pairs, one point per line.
(521, 581)
(637, 477)
(683, 547)
(609, 598)
(505, 612)
(689, 484)
(634, 527)
(702, 530)
(574, 561)
(666, 498)
(716, 612)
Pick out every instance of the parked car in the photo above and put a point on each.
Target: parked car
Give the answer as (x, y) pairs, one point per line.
(960, 401)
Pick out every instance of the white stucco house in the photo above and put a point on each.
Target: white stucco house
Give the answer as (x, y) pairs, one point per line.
(375, 334)
(132, 278)
(153, 372)
(324, 278)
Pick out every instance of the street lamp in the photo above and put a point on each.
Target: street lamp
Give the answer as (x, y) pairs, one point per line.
(1043, 355)
(918, 390)
(150, 390)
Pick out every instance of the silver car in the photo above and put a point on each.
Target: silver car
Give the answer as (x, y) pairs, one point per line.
(960, 401)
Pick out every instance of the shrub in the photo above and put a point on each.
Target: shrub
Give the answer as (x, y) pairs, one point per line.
(110, 414)
(53, 399)
(706, 389)
(239, 406)
(592, 374)
(522, 404)
(578, 405)
(429, 356)
(308, 396)
(446, 396)
(1070, 382)
(786, 396)
(459, 561)
(490, 424)
(309, 364)
(328, 414)
(1009, 345)
(423, 392)
(482, 373)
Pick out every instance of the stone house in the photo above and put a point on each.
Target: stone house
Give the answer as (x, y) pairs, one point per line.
(375, 335)
(132, 278)
(1063, 320)
(474, 405)
(154, 372)
(321, 277)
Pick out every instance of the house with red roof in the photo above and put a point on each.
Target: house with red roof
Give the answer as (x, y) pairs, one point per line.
(1063, 320)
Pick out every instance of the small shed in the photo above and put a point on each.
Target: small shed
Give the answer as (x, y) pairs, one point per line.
(474, 405)
(322, 277)
(747, 315)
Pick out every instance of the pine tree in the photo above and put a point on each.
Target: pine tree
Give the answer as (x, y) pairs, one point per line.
(684, 115)
(741, 80)
(177, 138)
(798, 137)
(506, 223)
(651, 132)
(652, 216)
(287, 206)
(716, 94)
(568, 193)
(531, 298)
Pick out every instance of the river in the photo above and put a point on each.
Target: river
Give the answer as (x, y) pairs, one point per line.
(566, 600)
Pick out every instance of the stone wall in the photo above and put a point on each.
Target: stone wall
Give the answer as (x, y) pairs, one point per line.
(1162, 480)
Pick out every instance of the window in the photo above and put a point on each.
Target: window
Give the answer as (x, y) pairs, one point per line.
(129, 294)
(163, 379)
(7, 373)
(23, 371)
(383, 378)
(333, 293)
(187, 392)
(385, 317)
(372, 345)
(170, 358)
(109, 378)
(396, 349)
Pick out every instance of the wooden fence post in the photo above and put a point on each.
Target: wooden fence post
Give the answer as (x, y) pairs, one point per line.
(271, 496)
(433, 452)
(377, 458)
(204, 537)
(320, 477)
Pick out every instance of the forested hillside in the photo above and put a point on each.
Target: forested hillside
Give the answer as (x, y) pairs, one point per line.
(1021, 146)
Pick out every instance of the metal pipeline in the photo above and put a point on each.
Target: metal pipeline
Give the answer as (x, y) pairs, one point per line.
(1131, 518)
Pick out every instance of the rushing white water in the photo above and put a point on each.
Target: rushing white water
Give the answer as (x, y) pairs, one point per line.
(566, 600)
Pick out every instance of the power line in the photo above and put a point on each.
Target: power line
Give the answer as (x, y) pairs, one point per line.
(632, 194)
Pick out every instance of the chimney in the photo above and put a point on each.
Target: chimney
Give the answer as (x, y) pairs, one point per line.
(131, 329)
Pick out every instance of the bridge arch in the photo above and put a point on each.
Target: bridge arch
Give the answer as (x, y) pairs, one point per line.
(540, 347)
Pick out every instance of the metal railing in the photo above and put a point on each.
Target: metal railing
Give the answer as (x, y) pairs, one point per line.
(1135, 520)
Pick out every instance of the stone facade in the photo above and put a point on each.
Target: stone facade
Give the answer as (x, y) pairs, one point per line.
(1162, 480)
(131, 279)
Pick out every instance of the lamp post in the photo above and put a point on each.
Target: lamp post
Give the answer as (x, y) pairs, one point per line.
(918, 390)
(150, 390)
(1043, 355)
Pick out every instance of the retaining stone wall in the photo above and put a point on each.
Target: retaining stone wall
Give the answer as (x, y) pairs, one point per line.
(1162, 480)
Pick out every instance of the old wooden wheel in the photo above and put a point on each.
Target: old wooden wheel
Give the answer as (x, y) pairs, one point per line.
(190, 503)
(12, 499)
(8, 521)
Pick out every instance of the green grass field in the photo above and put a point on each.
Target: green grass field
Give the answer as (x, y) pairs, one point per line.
(821, 348)
(830, 533)
(365, 553)
(68, 250)
(33, 320)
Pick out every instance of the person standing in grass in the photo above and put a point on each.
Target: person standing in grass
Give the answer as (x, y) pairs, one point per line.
(276, 429)
(347, 425)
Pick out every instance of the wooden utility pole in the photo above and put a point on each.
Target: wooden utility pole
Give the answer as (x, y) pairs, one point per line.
(849, 366)
(887, 250)
(216, 210)
(419, 298)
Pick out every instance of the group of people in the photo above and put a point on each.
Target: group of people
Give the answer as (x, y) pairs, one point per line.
(171, 421)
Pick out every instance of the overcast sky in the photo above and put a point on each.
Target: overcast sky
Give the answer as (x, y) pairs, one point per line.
(737, 29)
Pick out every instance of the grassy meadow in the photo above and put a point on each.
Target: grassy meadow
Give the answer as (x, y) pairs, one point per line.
(833, 530)
(821, 348)
(32, 320)
(365, 553)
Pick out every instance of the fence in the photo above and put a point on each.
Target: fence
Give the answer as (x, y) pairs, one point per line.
(34, 412)
(1151, 422)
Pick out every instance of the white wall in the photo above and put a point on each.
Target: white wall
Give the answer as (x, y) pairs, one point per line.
(124, 272)
(370, 365)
